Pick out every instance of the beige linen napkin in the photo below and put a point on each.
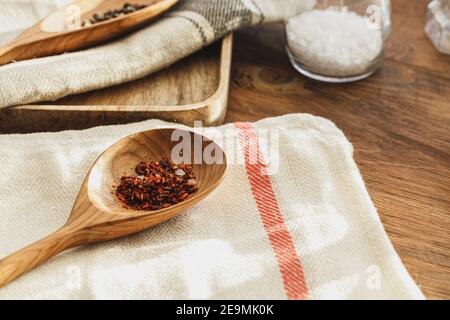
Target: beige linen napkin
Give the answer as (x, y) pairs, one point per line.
(309, 230)
(191, 25)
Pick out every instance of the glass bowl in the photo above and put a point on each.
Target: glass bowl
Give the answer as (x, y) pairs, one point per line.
(339, 40)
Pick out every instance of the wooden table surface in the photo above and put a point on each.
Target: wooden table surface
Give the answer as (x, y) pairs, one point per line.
(398, 122)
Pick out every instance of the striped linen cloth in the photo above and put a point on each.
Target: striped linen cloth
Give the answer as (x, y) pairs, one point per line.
(291, 220)
(188, 27)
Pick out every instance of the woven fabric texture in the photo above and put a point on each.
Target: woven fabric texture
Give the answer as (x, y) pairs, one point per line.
(308, 230)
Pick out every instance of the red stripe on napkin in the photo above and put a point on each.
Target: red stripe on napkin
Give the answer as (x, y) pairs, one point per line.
(266, 202)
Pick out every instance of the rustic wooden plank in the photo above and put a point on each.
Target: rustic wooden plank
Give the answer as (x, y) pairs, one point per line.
(398, 121)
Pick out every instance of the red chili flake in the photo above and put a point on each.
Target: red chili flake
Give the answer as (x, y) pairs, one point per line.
(158, 184)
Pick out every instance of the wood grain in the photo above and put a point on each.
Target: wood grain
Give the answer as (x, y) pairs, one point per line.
(398, 121)
(52, 34)
(195, 88)
(97, 216)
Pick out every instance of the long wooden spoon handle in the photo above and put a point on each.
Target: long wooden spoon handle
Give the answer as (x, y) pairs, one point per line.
(30, 257)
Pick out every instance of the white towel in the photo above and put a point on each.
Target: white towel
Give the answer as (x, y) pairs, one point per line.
(307, 231)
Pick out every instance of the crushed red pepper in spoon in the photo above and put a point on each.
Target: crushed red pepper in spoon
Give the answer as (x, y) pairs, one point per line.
(157, 185)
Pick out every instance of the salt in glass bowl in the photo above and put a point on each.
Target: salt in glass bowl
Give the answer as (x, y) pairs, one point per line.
(339, 41)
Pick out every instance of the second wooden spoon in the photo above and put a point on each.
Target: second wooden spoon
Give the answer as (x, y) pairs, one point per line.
(62, 30)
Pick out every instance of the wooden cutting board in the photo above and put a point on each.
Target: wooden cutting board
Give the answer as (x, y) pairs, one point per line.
(194, 89)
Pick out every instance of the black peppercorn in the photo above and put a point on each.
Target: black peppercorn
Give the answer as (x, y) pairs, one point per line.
(113, 13)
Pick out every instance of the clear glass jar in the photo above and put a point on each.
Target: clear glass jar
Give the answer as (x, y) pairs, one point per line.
(437, 24)
(339, 40)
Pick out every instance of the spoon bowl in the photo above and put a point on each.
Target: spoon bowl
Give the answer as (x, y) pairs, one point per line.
(97, 216)
(62, 30)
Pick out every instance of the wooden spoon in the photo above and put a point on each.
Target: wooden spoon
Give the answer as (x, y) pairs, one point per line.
(62, 30)
(97, 216)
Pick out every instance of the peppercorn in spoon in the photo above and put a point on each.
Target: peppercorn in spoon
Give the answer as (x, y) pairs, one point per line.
(97, 215)
(82, 24)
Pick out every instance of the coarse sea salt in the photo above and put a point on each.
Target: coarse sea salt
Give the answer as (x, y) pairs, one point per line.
(334, 42)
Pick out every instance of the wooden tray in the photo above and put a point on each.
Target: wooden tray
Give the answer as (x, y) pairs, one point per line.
(193, 89)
